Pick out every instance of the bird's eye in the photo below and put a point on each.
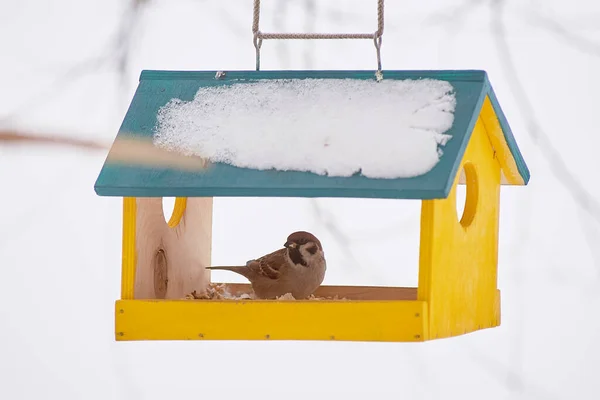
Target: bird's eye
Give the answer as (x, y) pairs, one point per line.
(312, 249)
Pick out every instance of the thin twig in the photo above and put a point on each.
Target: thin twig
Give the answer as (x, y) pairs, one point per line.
(576, 41)
(557, 165)
(497, 369)
(454, 16)
(127, 150)
(342, 240)
(117, 51)
(310, 8)
(15, 137)
(281, 46)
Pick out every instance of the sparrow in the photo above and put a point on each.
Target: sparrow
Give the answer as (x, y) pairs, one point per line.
(298, 268)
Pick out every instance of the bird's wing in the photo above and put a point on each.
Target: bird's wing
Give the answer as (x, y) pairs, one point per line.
(269, 265)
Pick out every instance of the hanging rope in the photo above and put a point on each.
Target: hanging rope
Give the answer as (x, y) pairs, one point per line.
(376, 36)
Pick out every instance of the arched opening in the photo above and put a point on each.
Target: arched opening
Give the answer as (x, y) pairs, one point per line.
(173, 209)
(467, 196)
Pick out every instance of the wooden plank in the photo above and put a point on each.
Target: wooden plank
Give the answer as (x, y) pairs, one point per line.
(348, 292)
(395, 321)
(171, 257)
(506, 131)
(511, 173)
(128, 259)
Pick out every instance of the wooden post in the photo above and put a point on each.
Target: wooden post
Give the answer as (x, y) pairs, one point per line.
(171, 258)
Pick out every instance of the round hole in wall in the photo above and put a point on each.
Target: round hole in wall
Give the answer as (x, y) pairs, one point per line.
(168, 204)
(461, 198)
(467, 195)
(173, 209)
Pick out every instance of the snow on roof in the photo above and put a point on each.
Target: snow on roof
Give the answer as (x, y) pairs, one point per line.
(334, 127)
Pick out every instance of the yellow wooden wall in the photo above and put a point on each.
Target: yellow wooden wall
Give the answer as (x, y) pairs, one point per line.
(458, 264)
(128, 253)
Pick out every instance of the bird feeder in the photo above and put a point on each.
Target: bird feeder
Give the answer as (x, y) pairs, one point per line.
(162, 262)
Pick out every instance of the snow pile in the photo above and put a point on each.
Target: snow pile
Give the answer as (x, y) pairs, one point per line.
(335, 127)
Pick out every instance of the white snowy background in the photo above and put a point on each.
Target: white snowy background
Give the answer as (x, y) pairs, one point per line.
(71, 67)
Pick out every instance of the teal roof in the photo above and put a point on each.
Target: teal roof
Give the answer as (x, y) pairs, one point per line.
(156, 88)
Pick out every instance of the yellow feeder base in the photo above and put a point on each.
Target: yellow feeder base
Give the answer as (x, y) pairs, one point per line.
(384, 314)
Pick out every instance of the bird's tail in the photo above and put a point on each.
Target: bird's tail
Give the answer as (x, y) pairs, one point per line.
(242, 270)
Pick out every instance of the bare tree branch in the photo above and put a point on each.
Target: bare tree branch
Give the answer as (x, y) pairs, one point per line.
(518, 384)
(117, 52)
(333, 228)
(557, 165)
(453, 17)
(310, 7)
(281, 48)
(576, 41)
(124, 38)
(583, 199)
(127, 150)
(591, 234)
(16, 137)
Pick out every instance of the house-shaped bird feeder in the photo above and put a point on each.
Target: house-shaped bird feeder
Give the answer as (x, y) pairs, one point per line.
(415, 135)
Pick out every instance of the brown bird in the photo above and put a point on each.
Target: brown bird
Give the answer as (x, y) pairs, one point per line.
(298, 268)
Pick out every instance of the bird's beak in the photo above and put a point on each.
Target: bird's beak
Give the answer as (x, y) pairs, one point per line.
(290, 244)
